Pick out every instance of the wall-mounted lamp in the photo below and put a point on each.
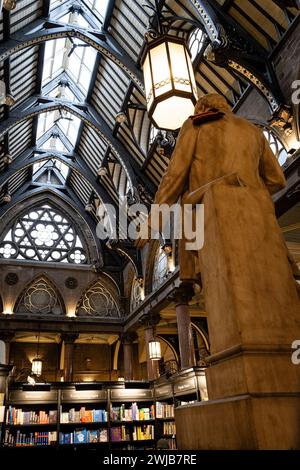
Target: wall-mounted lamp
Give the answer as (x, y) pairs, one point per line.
(89, 207)
(121, 117)
(7, 159)
(102, 171)
(8, 4)
(7, 197)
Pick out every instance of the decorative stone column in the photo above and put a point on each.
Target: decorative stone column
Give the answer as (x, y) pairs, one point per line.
(4, 373)
(149, 323)
(182, 297)
(68, 341)
(6, 337)
(127, 340)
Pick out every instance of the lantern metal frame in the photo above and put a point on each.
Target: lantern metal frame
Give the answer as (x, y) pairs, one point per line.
(167, 39)
(157, 34)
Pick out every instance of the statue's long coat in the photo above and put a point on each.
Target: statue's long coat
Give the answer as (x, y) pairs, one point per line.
(244, 252)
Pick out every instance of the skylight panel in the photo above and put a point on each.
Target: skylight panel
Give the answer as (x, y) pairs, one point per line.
(98, 7)
(54, 143)
(54, 58)
(65, 121)
(49, 165)
(72, 56)
(75, 19)
(81, 65)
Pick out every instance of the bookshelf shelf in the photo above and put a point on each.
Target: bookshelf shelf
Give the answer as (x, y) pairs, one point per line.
(31, 425)
(88, 423)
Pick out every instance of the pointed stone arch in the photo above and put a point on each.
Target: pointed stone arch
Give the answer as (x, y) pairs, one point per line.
(100, 299)
(40, 297)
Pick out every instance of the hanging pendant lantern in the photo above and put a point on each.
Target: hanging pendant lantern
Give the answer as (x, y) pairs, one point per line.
(37, 366)
(154, 350)
(170, 85)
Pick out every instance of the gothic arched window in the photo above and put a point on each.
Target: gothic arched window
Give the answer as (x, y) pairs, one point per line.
(40, 298)
(43, 234)
(98, 301)
(195, 42)
(276, 145)
(136, 294)
(160, 270)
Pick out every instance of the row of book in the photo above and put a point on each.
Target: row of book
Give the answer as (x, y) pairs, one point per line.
(164, 410)
(20, 439)
(134, 413)
(18, 416)
(169, 427)
(83, 416)
(172, 443)
(83, 436)
(143, 432)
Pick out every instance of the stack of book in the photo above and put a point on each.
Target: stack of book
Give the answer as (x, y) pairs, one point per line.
(143, 433)
(164, 410)
(83, 436)
(169, 428)
(18, 416)
(134, 413)
(83, 416)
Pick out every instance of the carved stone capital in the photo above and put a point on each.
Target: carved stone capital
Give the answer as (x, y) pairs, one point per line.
(183, 294)
(150, 320)
(69, 337)
(7, 336)
(128, 337)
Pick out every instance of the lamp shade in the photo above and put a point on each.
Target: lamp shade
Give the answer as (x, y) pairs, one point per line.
(154, 350)
(36, 366)
(170, 85)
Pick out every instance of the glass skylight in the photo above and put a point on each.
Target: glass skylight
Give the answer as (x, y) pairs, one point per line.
(72, 56)
(65, 121)
(54, 163)
(98, 7)
(75, 19)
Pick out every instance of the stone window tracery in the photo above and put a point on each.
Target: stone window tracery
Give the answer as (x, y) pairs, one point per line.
(43, 234)
(160, 271)
(98, 301)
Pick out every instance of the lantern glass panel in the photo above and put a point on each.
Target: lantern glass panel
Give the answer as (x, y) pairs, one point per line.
(180, 72)
(154, 350)
(36, 367)
(148, 81)
(172, 112)
(160, 70)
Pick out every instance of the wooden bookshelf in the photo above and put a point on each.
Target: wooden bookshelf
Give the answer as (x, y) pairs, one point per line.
(158, 402)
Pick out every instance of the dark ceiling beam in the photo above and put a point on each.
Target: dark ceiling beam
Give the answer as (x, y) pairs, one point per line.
(232, 47)
(103, 43)
(39, 104)
(64, 77)
(73, 161)
(46, 8)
